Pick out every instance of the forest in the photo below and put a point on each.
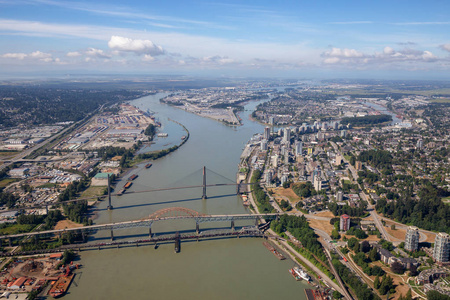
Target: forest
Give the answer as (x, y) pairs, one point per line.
(32, 105)
(366, 120)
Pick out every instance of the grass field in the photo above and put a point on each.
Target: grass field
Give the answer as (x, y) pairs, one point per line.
(16, 228)
(93, 191)
(5, 182)
(7, 154)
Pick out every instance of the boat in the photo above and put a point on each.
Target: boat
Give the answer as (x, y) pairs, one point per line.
(294, 274)
(162, 134)
(121, 192)
(133, 177)
(61, 286)
(302, 274)
(127, 185)
(274, 251)
(183, 137)
(148, 166)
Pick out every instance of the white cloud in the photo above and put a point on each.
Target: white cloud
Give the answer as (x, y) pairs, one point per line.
(137, 46)
(445, 47)
(389, 55)
(40, 55)
(36, 55)
(20, 56)
(97, 53)
(73, 54)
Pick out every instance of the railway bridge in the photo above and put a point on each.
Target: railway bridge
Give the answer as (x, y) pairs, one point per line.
(166, 214)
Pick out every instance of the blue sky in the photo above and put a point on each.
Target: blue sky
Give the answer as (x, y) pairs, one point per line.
(370, 39)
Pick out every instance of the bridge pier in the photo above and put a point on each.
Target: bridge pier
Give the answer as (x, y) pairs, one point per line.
(232, 225)
(150, 232)
(177, 242)
(256, 221)
(197, 228)
(110, 207)
(204, 197)
(112, 234)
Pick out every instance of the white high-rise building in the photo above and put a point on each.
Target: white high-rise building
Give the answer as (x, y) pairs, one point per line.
(441, 247)
(267, 133)
(287, 135)
(264, 145)
(412, 238)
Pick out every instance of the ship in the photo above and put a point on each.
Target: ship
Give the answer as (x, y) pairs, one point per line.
(274, 251)
(61, 286)
(302, 274)
(148, 166)
(294, 274)
(133, 177)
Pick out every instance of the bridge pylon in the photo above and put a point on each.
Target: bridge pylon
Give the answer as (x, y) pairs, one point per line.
(110, 207)
(204, 184)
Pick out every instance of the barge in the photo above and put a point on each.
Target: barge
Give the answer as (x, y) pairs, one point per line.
(133, 177)
(274, 251)
(147, 166)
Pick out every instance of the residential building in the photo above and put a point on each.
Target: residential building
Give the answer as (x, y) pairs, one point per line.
(344, 223)
(412, 238)
(441, 247)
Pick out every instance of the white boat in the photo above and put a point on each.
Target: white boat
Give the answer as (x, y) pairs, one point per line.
(302, 274)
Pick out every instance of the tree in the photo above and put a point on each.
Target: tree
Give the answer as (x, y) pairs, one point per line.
(397, 267)
(351, 242)
(373, 254)
(393, 226)
(376, 283)
(335, 234)
(356, 247)
(364, 246)
(435, 295)
(336, 295)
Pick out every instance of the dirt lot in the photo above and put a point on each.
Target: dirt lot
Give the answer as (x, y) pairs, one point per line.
(323, 225)
(289, 193)
(326, 214)
(67, 224)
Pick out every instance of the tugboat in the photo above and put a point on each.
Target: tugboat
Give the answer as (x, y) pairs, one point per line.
(148, 166)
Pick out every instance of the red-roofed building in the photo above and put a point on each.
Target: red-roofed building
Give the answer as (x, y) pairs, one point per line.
(344, 223)
(17, 284)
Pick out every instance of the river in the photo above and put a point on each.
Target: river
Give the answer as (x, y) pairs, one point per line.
(214, 269)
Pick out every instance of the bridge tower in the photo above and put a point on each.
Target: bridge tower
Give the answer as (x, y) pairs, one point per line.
(177, 242)
(204, 184)
(110, 207)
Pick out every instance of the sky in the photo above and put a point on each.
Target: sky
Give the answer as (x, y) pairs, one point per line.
(393, 39)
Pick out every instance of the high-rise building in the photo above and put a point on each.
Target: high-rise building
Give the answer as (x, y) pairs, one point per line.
(271, 121)
(317, 183)
(419, 144)
(298, 148)
(343, 133)
(441, 247)
(264, 145)
(339, 196)
(344, 224)
(338, 160)
(287, 135)
(358, 165)
(412, 238)
(267, 133)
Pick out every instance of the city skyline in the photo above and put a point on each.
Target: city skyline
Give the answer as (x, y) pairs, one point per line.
(403, 40)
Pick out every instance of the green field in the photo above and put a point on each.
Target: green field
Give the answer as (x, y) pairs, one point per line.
(5, 182)
(93, 191)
